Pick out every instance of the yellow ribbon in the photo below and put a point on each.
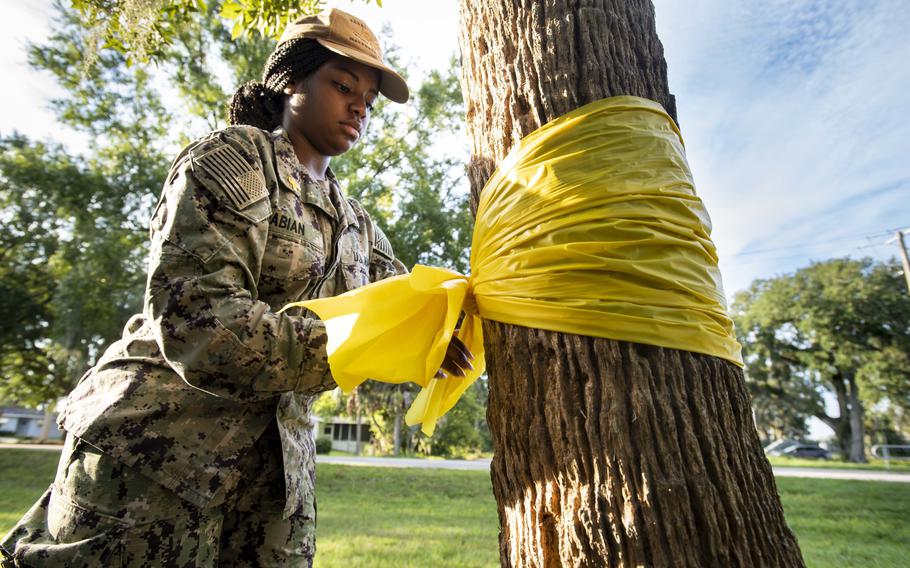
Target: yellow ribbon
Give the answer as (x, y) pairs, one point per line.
(590, 226)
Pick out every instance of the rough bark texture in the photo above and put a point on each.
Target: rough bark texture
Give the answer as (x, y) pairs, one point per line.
(607, 453)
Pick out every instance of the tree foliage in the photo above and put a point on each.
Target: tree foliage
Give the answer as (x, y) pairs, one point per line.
(463, 432)
(143, 30)
(71, 272)
(74, 250)
(841, 326)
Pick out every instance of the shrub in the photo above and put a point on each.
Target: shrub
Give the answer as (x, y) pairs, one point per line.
(323, 445)
(457, 435)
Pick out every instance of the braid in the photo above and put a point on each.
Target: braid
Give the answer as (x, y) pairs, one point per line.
(255, 104)
(260, 104)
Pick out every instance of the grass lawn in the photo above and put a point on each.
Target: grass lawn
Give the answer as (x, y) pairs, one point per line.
(897, 466)
(438, 518)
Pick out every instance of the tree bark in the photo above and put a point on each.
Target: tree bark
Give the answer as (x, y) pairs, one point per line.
(396, 431)
(46, 421)
(857, 426)
(842, 427)
(357, 424)
(606, 453)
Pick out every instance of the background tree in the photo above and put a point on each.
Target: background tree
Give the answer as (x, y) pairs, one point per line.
(842, 324)
(607, 453)
(73, 255)
(784, 395)
(70, 271)
(458, 434)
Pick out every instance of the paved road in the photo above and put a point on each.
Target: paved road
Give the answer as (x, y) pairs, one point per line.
(51, 447)
(855, 474)
(480, 465)
(484, 465)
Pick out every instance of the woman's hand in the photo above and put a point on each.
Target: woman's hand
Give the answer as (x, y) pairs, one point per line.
(457, 361)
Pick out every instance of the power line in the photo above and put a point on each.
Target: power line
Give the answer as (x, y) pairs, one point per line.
(866, 236)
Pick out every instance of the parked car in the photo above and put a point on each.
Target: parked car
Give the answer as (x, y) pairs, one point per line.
(803, 451)
(778, 447)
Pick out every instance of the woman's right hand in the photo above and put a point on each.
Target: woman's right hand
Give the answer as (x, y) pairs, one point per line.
(457, 361)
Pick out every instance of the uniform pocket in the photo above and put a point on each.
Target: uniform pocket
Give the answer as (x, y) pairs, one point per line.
(57, 532)
(290, 259)
(71, 523)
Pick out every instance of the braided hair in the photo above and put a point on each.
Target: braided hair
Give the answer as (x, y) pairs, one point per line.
(261, 104)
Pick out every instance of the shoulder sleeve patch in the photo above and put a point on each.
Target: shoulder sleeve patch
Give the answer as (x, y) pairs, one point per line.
(382, 244)
(241, 182)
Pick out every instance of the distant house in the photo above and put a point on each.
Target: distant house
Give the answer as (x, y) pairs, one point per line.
(26, 423)
(343, 432)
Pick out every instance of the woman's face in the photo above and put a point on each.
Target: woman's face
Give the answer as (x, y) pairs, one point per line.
(332, 106)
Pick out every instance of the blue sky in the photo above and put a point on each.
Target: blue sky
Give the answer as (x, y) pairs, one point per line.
(793, 114)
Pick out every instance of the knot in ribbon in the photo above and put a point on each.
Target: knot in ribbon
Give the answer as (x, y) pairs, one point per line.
(469, 307)
(589, 226)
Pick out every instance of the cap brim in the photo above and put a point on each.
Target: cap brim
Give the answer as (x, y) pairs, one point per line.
(391, 84)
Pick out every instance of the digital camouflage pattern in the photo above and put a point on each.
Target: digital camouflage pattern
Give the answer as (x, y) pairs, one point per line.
(100, 512)
(239, 232)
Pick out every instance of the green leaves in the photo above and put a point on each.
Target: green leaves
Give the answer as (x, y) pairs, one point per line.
(267, 17)
(74, 239)
(72, 267)
(138, 29)
(142, 30)
(820, 328)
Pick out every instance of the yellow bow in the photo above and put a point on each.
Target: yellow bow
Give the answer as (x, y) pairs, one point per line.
(590, 226)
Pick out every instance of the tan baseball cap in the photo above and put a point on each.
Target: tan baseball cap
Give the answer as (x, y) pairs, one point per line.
(349, 36)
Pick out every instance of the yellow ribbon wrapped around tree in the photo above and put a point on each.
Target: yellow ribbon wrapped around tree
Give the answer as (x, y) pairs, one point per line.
(590, 226)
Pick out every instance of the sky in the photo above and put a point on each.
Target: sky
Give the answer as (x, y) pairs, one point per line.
(793, 113)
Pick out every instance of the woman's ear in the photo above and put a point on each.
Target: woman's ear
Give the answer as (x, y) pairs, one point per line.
(298, 87)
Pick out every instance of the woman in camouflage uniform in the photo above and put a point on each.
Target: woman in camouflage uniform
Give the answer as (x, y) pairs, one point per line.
(189, 441)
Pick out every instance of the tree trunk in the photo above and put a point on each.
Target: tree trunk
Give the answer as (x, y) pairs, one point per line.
(842, 428)
(357, 423)
(396, 432)
(606, 453)
(857, 427)
(46, 422)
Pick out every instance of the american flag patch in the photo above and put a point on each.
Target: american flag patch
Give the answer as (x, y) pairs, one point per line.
(242, 183)
(382, 245)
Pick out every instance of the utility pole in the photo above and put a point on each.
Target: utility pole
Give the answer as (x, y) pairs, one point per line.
(899, 239)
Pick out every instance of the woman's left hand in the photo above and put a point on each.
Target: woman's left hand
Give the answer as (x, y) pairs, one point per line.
(457, 361)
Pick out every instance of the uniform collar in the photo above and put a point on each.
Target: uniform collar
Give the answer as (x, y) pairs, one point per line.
(295, 178)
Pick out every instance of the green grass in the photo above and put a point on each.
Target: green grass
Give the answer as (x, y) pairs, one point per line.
(24, 475)
(383, 517)
(862, 524)
(874, 464)
(405, 517)
(341, 454)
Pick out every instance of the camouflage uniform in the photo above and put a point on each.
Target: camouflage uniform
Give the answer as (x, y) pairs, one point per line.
(208, 386)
